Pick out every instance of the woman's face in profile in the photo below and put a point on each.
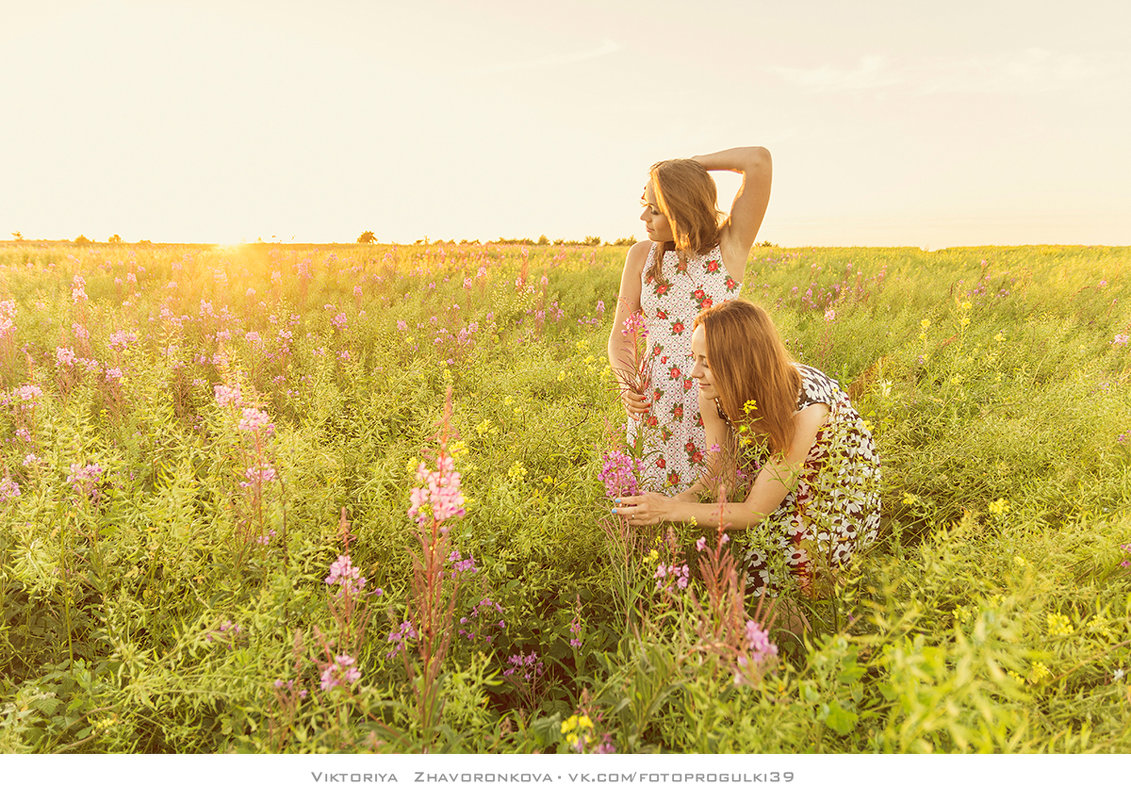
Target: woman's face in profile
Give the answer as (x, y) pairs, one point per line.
(701, 368)
(655, 223)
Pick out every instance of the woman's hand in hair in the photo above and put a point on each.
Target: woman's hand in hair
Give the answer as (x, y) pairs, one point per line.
(738, 234)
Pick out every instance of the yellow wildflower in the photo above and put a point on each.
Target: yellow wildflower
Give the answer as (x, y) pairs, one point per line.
(517, 472)
(1038, 673)
(909, 499)
(1059, 625)
(999, 507)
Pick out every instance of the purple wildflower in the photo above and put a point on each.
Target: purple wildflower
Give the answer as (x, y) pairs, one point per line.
(619, 474)
(346, 576)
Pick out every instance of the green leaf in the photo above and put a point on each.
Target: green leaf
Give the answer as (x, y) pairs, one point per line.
(841, 720)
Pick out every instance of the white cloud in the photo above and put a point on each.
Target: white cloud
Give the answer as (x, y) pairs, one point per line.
(1030, 71)
(606, 48)
(871, 72)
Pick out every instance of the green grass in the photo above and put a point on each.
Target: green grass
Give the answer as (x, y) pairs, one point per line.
(993, 615)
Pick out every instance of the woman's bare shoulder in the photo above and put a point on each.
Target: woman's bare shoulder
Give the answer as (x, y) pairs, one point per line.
(638, 252)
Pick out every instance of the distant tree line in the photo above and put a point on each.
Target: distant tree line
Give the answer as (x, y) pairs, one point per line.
(369, 238)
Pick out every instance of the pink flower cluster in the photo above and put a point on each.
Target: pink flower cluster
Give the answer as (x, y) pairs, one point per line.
(758, 643)
(635, 327)
(78, 289)
(527, 667)
(289, 686)
(618, 474)
(341, 671)
(64, 356)
(28, 393)
(120, 340)
(255, 421)
(483, 609)
(1120, 339)
(440, 498)
(258, 475)
(7, 315)
(226, 632)
(84, 478)
(227, 396)
(346, 576)
(575, 630)
(9, 489)
(1125, 563)
(672, 577)
(400, 637)
(462, 565)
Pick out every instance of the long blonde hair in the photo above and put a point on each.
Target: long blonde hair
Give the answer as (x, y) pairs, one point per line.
(753, 372)
(686, 194)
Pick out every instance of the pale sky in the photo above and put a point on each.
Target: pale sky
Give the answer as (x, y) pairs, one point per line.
(894, 122)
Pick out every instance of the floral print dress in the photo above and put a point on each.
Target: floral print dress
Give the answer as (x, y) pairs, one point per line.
(835, 505)
(672, 438)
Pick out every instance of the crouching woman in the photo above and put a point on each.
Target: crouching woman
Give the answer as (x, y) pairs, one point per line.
(812, 476)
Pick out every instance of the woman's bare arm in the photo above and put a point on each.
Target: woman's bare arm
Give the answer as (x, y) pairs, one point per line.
(620, 348)
(740, 230)
(773, 482)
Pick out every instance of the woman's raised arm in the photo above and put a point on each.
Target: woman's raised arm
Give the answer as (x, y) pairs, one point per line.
(740, 230)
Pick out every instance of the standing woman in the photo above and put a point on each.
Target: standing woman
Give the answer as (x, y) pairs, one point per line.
(815, 473)
(694, 259)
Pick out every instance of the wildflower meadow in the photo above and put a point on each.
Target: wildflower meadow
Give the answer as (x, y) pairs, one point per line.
(357, 499)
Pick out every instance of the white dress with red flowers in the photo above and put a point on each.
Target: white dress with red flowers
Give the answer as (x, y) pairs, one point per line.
(672, 438)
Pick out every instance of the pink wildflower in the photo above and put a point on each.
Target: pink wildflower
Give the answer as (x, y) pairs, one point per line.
(258, 475)
(7, 316)
(84, 478)
(439, 498)
(9, 489)
(758, 642)
(227, 396)
(341, 671)
(255, 420)
(619, 473)
(28, 393)
(346, 576)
